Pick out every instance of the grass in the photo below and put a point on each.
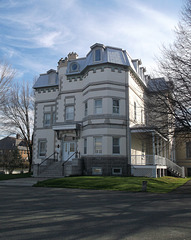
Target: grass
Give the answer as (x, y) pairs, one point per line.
(13, 176)
(130, 184)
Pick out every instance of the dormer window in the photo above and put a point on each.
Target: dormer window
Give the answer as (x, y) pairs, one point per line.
(97, 55)
(74, 67)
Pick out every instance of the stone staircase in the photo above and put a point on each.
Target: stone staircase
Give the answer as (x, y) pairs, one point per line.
(54, 170)
(73, 167)
(59, 169)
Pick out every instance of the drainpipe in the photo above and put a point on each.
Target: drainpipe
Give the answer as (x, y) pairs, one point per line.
(128, 133)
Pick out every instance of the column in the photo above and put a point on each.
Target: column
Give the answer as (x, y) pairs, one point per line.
(153, 141)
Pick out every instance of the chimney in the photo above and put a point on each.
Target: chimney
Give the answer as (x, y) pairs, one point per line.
(62, 63)
(18, 139)
(72, 56)
(18, 136)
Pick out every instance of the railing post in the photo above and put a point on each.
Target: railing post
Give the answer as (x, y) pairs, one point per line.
(153, 140)
(38, 169)
(183, 172)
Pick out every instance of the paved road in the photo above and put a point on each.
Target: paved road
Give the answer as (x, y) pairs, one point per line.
(47, 213)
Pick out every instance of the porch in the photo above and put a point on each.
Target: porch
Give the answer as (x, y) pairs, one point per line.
(151, 153)
(154, 166)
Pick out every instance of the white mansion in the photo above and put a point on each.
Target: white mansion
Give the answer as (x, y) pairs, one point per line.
(90, 119)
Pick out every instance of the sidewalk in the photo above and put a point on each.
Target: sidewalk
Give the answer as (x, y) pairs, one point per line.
(184, 189)
(23, 182)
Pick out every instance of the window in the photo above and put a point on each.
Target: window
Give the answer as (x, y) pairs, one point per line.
(188, 149)
(116, 146)
(135, 111)
(98, 145)
(117, 171)
(97, 56)
(85, 146)
(42, 148)
(98, 106)
(74, 67)
(86, 109)
(49, 115)
(72, 147)
(47, 119)
(70, 113)
(115, 106)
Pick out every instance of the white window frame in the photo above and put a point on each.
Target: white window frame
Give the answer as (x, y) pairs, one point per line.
(95, 55)
(41, 153)
(97, 142)
(69, 115)
(76, 69)
(47, 122)
(116, 107)
(98, 109)
(116, 146)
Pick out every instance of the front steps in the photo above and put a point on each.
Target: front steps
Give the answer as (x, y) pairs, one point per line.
(54, 170)
(59, 169)
(174, 173)
(73, 168)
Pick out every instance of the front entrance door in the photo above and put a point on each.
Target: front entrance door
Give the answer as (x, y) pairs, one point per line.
(69, 148)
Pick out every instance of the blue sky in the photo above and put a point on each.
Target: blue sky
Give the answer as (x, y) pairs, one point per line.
(35, 34)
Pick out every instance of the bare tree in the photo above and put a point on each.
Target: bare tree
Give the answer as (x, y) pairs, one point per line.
(6, 76)
(173, 98)
(18, 113)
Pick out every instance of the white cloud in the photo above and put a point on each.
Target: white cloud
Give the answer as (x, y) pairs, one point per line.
(49, 29)
(48, 39)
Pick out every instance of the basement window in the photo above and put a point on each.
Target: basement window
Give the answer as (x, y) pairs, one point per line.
(117, 171)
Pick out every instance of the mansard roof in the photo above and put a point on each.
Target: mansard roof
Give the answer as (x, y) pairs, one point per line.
(109, 54)
(44, 80)
(76, 66)
(158, 84)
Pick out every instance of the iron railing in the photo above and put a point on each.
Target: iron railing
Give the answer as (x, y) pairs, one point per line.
(45, 160)
(76, 155)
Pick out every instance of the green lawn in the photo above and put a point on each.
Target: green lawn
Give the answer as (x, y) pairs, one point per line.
(130, 184)
(12, 176)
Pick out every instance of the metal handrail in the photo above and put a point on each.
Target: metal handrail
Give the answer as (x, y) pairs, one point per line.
(47, 159)
(69, 158)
